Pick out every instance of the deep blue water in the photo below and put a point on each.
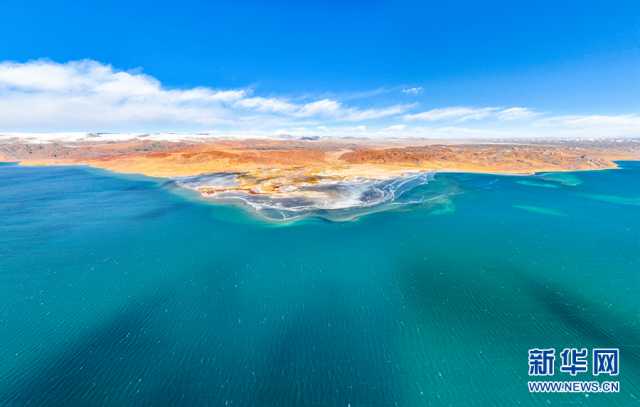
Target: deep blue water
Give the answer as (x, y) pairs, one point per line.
(129, 291)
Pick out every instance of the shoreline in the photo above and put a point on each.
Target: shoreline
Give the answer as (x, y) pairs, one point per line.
(348, 214)
(296, 177)
(514, 173)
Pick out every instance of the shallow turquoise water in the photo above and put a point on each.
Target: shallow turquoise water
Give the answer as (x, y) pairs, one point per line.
(128, 291)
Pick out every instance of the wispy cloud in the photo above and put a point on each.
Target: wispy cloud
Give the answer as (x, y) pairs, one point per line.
(376, 113)
(631, 121)
(463, 114)
(416, 90)
(320, 109)
(270, 105)
(516, 113)
(91, 96)
(590, 125)
(457, 113)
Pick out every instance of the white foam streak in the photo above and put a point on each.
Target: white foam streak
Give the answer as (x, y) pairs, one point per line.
(335, 200)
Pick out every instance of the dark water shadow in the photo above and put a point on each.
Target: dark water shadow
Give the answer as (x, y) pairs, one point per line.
(312, 362)
(160, 212)
(77, 374)
(599, 324)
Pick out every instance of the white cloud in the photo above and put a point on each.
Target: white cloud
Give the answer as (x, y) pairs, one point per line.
(88, 96)
(47, 76)
(371, 114)
(321, 109)
(261, 104)
(590, 125)
(413, 91)
(630, 121)
(463, 114)
(324, 107)
(396, 127)
(458, 113)
(516, 113)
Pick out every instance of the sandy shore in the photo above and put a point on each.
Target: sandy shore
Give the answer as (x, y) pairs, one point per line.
(287, 167)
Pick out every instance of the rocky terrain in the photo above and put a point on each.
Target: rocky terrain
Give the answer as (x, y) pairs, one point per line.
(288, 168)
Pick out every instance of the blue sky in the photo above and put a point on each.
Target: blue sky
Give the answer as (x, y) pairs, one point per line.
(569, 61)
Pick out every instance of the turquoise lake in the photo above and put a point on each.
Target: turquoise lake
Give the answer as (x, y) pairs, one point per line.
(119, 290)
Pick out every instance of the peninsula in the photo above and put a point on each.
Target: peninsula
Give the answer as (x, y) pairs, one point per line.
(295, 168)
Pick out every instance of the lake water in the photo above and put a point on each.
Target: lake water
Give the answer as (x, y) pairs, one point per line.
(120, 290)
